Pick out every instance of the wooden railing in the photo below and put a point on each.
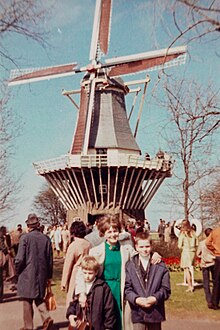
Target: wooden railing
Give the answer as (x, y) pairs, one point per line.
(127, 160)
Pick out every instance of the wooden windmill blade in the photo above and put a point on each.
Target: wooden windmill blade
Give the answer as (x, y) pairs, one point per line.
(24, 76)
(105, 25)
(141, 62)
(101, 28)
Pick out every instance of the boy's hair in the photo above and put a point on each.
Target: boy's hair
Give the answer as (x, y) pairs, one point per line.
(90, 263)
(142, 235)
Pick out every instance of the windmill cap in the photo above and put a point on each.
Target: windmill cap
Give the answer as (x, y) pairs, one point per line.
(32, 219)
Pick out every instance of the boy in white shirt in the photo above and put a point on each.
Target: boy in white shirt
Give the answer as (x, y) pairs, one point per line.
(147, 286)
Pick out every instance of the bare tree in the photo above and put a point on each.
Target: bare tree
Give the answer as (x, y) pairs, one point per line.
(21, 17)
(189, 135)
(210, 200)
(192, 19)
(9, 129)
(48, 206)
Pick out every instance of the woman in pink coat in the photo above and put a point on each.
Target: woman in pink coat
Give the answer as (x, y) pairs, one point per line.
(76, 250)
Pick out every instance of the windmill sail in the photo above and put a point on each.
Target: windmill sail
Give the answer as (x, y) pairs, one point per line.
(141, 62)
(31, 75)
(101, 28)
(105, 22)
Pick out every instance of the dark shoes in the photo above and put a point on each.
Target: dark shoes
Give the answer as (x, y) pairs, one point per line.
(48, 323)
(211, 306)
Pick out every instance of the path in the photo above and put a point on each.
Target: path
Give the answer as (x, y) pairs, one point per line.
(11, 318)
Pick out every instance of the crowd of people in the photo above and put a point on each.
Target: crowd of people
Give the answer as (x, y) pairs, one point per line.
(166, 232)
(112, 275)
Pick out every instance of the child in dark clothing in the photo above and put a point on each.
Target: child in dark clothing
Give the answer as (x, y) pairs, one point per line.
(99, 310)
(147, 286)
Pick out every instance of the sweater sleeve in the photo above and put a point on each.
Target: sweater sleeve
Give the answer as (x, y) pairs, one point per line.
(165, 290)
(130, 293)
(180, 241)
(20, 259)
(67, 267)
(71, 310)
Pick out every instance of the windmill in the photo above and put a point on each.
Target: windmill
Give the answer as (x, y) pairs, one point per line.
(104, 171)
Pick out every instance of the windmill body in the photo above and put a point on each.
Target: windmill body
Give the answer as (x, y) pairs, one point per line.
(104, 171)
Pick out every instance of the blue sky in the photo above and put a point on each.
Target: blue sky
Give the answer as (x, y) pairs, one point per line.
(49, 118)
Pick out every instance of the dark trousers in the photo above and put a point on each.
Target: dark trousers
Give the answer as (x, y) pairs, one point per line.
(28, 311)
(207, 274)
(1, 283)
(147, 326)
(216, 285)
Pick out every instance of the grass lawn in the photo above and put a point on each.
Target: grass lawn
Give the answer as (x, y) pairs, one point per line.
(57, 274)
(181, 305)
(186, 305)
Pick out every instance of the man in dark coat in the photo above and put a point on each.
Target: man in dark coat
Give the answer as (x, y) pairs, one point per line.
(34, 267)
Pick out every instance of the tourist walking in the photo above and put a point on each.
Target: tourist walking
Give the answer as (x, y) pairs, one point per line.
(161, 230)
(207, 264)
(34, 267)
(78, 248)
(3, 254)
(213, 244)
(65, 234)
(188, 243)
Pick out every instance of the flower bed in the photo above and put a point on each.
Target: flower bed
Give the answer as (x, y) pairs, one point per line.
(173, 263)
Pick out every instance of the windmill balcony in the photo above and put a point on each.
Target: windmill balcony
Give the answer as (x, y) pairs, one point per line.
(120, 160)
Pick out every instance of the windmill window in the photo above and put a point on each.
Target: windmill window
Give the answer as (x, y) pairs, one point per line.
(101, 151)
(103, 188)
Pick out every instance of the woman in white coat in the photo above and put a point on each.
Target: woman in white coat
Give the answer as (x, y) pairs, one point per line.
(76, 250)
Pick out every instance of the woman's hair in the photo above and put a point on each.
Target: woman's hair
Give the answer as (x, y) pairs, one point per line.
(107, 221)
(90, 263)
(186, 228)
(78, 229)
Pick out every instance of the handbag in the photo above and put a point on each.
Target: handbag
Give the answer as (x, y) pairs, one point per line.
(84, 324)
(50, 300)
(82, 317)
